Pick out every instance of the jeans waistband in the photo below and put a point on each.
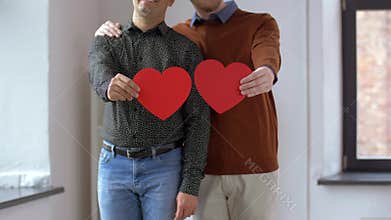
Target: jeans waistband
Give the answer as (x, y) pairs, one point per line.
(169, 145)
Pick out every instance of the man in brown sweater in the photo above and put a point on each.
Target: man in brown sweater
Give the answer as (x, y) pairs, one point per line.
(242, 170)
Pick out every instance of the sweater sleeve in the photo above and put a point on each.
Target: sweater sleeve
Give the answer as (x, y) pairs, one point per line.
(265, 50)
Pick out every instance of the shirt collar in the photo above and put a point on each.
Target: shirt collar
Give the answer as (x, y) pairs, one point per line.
(162, 27)
(223, 15)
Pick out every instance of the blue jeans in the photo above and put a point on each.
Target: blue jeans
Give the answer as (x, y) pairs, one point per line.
(135, 189)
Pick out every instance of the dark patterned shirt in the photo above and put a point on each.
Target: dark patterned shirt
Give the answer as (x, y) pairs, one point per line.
(128, 123)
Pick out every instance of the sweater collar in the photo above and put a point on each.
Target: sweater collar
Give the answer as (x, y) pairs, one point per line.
(223, 15)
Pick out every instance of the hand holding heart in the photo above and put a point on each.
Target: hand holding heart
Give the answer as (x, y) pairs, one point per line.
(122, 88)
(258, 82)
(163, 94)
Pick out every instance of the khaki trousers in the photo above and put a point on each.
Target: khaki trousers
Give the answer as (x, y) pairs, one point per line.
(238, 197)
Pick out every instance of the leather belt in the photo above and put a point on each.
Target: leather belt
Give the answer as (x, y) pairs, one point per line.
(141, 153)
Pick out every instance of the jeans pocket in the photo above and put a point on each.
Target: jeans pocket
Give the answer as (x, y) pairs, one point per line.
(172, 157)
(104, 156)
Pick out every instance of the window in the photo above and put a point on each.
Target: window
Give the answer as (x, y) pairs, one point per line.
(366, 85)
(24, 158)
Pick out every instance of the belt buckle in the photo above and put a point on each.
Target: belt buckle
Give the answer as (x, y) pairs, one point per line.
(128, 153)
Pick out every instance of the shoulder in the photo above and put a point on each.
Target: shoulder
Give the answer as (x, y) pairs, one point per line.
(188, 51)
(183, 40)
(182, 27)
(190, 33)
(253, 15)
(106, 42)
(258, 19)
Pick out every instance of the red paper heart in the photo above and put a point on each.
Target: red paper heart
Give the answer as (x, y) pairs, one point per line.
(219, 86)
(163, 94)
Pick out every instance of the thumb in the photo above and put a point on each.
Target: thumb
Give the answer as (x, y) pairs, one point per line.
(178, 213)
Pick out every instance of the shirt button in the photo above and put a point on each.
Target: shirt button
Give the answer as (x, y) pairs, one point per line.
(135, 109)
(134, 136)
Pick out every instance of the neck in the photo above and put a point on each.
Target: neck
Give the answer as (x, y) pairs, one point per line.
(205, 14)
(146, 24)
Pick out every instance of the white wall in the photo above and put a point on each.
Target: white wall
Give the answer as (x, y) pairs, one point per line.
(71, 27)
(118, 11)
(333, 202)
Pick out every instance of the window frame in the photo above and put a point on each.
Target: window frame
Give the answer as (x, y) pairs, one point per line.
(349, 82)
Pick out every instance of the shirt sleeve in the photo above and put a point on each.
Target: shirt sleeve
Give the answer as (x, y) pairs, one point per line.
(265, 49)
(102, 66)
(197, 127)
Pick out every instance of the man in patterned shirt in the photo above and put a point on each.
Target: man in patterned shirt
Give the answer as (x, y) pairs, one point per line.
(140, 166)
(241, 178)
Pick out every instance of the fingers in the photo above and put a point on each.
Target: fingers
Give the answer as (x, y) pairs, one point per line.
(258, 82)
(127, 89)
(129, 82)
(109, 29)
(113, 28)
(187, 212)
(122, 88)
(253, 83)
(254, 91)
(186, 205)
(179, 213)
(115, 96)
(127, 85)
(116, 88)
(261, 72)
(251, 77)
(99, 32)
(183, 211)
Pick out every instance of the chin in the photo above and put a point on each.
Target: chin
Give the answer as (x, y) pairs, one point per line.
(208, 8)
(144, 10)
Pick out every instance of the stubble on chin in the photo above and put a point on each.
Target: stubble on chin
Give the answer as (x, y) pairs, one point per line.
(207, 8)
(144, 11)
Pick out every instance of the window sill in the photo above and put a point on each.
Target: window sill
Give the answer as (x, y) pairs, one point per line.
(357, 178)
(13, 197)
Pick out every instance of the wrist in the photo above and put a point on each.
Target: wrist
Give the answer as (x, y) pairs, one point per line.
(275, 78)
(190, 187)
